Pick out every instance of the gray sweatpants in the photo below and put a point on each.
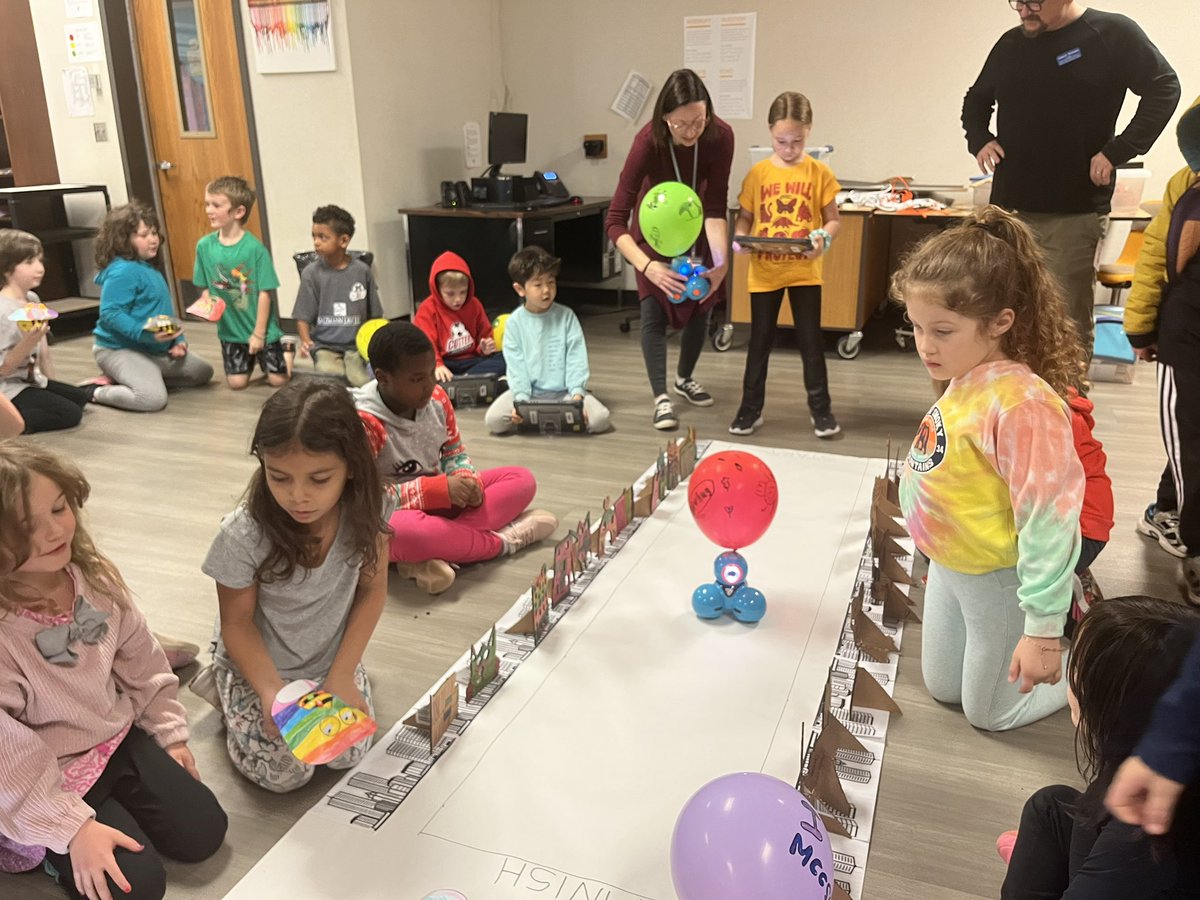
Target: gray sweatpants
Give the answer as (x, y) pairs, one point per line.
(142, 380)
(971, 628)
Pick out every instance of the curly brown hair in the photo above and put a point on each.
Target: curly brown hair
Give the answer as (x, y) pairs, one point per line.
(319, 417)
(119, 226)
(18, 461)
(992, 262)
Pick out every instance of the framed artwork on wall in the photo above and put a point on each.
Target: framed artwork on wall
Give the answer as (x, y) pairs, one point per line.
(292, 36)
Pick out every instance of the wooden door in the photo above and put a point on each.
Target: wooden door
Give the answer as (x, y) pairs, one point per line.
(192, 84)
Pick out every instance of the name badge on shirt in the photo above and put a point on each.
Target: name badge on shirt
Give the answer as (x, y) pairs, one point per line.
(1069, 57)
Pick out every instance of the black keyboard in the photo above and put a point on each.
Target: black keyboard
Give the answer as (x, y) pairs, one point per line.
(539, 203)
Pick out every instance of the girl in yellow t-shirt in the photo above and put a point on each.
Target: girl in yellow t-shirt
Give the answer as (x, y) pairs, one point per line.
(788, 195)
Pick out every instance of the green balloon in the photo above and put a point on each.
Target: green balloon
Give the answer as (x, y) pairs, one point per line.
(671, 217)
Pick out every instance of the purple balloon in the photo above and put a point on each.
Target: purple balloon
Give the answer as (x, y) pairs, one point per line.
(750, 835)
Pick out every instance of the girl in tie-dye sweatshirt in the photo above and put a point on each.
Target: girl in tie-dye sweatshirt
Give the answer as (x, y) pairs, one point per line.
(993, 487)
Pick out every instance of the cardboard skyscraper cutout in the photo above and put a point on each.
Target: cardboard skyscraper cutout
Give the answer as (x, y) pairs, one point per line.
(438, 715)
(484, 666)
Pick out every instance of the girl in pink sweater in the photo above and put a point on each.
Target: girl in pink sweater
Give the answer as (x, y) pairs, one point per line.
(96, 778)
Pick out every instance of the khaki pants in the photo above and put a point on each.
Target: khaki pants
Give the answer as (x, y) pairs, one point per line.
(348, 365)
(1070, 243)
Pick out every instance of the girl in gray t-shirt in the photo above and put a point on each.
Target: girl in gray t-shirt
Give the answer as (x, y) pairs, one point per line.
(301, 572)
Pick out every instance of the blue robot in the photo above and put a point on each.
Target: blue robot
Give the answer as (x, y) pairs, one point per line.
(729, 593)
(697, 286)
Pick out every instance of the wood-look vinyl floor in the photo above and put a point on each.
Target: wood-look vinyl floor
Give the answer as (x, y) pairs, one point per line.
(161, 482)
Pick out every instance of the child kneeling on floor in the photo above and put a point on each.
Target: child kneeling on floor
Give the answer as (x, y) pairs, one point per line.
(544, 348)
(448, 512)
(301, 576)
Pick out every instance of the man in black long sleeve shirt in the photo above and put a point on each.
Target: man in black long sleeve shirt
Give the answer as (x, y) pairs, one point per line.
(1057, 82)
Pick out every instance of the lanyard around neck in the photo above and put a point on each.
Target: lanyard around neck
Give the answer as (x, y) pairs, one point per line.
(695, 171)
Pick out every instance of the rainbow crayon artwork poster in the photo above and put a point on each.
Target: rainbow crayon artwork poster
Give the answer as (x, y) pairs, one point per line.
(316, 725)
(292, 36)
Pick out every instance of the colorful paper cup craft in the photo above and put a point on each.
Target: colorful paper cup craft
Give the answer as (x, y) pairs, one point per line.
(366, 331)
(733, 496)
(316, 725)
(671, 217)
(208, 308)
(31, 315)
(161, 325)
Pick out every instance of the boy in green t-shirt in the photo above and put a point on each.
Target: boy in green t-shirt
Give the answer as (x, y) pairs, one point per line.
(233, 265)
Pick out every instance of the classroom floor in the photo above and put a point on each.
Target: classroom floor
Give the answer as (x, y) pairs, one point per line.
(161, 482)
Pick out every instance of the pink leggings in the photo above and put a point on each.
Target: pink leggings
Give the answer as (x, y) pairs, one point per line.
(464, 534)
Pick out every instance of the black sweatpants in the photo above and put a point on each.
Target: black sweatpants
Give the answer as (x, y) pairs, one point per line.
(1179, 397)
(654, 344)
(1113, 862)
(150, 797)
(805, 301)
(52, 408)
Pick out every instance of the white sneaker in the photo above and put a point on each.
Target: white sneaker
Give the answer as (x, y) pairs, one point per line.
(529, 527)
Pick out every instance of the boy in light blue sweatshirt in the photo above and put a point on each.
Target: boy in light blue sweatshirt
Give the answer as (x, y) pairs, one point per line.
(544, 349)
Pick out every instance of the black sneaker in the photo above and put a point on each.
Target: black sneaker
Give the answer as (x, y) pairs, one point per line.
(695, 394)
(664, 415)
(824, 425)
(746, 423)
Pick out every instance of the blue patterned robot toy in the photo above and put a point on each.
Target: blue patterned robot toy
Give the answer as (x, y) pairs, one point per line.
(697, 286)
(729, 593)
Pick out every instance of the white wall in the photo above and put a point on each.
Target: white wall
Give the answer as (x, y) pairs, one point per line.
(80, 158)
(423, 70)
(308, 150)
(886, 79)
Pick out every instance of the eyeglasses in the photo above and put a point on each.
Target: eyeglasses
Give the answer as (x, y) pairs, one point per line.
(1034, 6)
(689, 127)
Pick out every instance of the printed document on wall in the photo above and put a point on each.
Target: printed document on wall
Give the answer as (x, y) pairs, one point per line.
(720, 49)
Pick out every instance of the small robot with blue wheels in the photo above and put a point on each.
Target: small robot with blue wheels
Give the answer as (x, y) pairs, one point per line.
(697, 286)
(729, 593)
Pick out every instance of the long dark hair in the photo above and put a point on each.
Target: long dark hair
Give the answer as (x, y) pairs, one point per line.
(1126, 653)
(683, 86)
(319, 417)
(991, 262)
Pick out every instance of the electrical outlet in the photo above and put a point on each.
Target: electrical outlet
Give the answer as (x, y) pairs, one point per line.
(100, 129)
(595, 146)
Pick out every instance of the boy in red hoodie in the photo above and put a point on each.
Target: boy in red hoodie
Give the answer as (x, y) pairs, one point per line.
(455, 322)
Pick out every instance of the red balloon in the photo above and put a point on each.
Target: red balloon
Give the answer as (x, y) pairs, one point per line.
(733, 498)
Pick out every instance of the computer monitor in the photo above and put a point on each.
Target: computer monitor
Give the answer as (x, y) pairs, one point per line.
(506, 140)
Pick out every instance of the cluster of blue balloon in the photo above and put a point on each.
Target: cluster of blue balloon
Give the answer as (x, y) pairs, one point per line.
(750, 835)
(697, 286)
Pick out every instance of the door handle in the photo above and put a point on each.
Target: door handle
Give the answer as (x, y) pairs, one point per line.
(165, 166)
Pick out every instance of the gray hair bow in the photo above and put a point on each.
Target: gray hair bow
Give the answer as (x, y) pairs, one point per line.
(89, 626)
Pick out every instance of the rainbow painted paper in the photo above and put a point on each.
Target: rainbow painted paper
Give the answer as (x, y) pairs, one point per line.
(316, 725)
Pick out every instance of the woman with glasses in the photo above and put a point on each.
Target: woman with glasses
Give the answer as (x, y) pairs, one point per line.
(683, 141)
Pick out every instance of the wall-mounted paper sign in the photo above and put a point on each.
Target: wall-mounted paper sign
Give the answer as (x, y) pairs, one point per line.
(85, 42)
(77, 85)
(632, 96)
